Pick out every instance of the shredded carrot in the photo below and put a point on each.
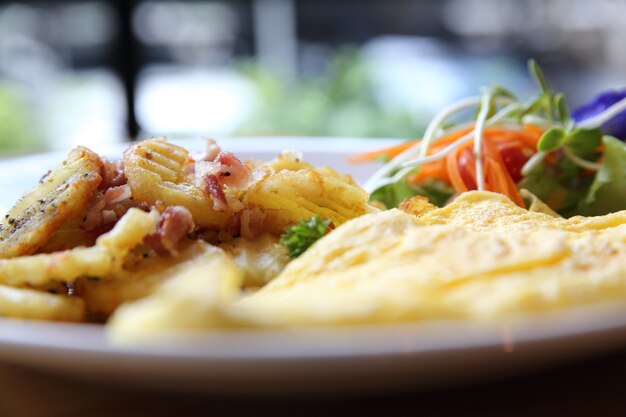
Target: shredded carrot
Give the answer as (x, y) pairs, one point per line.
(497, 177)
(396, 150)
(502, 181)
(389, 152)
(436, 170)
(453, 168)
(462, 176)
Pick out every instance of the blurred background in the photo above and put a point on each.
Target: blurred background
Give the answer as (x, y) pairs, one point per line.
(100, 72)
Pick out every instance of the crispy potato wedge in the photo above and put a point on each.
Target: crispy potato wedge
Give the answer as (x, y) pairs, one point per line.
(60, 195)
(287, 160)
(261, 258)
(192, 298)
(299, 195)
(103, 295)
(31, 304)
(155, 171)
(105, 257)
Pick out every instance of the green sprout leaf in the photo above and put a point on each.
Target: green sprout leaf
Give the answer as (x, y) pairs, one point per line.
(498, 90)
(606, 194)
(584, 142)
(551, 139)
(561, 108)
(391, 195)
(538, 75)
(300, 237)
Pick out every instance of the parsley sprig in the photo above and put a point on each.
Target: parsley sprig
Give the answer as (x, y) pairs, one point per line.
(300, 237)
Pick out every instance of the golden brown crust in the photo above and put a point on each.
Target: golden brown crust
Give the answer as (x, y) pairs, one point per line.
(155, 171)
(60, 195)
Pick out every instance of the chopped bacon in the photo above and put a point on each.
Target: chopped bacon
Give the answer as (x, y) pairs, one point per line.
(106, 208)
(112, 173)
(212, 187)
(117, 194)
(233, 172)
(175, 223)
(227, 169)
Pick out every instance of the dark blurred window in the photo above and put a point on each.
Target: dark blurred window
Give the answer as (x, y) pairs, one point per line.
(97, 72)
(55, 87)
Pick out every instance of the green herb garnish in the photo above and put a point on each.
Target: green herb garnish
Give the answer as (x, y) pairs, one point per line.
(300, 237)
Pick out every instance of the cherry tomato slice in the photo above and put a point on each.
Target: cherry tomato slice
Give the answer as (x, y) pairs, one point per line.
(466, 168)
(514, 159)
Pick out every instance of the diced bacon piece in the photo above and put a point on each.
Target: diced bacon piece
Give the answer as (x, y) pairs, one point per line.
(112, 173)
(117, 194)
(212, 187)
(175, 223)
(233, 172)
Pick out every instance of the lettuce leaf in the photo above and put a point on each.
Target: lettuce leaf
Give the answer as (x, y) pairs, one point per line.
(392, 195)
(608, 191)
(559, 186)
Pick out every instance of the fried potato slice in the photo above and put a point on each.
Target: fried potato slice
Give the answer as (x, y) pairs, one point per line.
(103, 295)
(60, 195)
(287, 160)
(262, 258)
(192, 298)
(71, 235)
(31, 304)
(299, 195)
(156, 171)
(105, 257)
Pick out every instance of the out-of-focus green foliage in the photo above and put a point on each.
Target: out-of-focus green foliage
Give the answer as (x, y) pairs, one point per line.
(341, 102)
(16, 133)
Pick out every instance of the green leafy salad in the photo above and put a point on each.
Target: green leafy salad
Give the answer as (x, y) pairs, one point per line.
(574, 161)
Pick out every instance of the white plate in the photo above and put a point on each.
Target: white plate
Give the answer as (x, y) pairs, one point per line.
(330, 359)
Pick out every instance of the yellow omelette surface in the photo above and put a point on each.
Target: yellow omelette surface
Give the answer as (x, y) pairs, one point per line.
(480, 256)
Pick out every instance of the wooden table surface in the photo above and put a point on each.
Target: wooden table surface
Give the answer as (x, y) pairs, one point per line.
(594, 387)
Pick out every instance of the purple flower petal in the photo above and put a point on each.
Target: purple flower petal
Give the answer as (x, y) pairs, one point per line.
(614, 127)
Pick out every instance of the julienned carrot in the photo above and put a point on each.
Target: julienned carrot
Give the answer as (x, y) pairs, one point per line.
(389, 152)
(453, 171)
(497, 177)
(396, 150)
(501, 181)
(434, 170)
(458, 169)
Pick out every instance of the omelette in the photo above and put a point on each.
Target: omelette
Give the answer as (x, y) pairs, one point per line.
(480, 256)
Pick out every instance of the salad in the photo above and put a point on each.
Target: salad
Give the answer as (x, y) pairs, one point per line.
(575, 161)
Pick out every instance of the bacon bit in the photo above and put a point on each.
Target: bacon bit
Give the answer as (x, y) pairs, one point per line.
(106, 208)
(227, 169)
(112, 173)
(175, 223)
(212, 187)
(234, 173)
(117, 194)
